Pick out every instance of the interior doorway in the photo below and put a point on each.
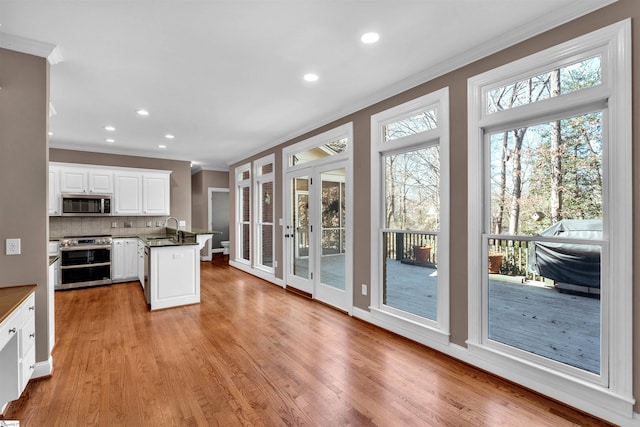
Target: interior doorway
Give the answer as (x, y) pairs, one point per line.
(218, 217)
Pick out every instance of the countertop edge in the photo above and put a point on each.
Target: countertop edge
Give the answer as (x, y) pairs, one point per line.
(16, 296)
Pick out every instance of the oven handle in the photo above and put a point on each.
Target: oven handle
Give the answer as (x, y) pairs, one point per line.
(98, 264)
(83, 248)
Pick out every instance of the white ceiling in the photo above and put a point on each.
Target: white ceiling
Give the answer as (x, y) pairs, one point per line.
(225, 77)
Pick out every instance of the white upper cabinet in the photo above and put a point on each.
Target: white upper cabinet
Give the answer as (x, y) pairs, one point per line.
(128, 193)
(100, 181)
(82, 179)
(54, 191)
(155, 194)
(74, 180)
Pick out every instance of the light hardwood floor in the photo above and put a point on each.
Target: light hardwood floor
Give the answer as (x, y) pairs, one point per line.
(254, 354)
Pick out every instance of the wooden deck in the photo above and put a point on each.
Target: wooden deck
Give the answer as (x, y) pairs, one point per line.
(541, 320)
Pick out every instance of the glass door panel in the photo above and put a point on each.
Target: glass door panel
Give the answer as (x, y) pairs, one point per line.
(298, 232)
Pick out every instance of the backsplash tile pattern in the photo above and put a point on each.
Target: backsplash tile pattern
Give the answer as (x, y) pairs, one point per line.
(85, 226)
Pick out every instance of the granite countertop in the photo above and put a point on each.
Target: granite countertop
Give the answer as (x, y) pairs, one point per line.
(12, 297)
(157, 240)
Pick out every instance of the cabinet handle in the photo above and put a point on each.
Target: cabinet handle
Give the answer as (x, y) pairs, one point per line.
(33, 307)
(32, 335)
(12, 330)
(32, 367)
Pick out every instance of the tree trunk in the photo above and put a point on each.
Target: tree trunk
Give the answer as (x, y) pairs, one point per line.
(514, 217)
(556, 157)
(503, 184)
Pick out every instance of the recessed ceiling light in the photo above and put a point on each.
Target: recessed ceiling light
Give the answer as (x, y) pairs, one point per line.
(109, 128)
(169, 136)
(111, 140)
(369, 38)
(311, 77)
(162, 146)
(142, 112)
(50, 133)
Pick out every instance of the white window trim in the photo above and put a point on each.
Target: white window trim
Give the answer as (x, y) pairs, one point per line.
(610, 400)
(239, 184)
(260, 179)
(343, 131)
(427, 331)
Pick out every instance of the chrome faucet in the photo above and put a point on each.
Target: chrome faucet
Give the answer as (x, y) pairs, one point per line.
(177, 225)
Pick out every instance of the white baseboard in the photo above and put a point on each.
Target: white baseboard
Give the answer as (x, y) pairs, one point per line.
(269, 277)
(43, 369)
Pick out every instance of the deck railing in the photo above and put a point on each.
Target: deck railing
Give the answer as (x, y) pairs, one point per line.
(399, 245)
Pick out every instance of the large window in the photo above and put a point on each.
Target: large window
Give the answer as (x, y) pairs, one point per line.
(410, 251)
(550, 214)
(243, 213)
(263, 173)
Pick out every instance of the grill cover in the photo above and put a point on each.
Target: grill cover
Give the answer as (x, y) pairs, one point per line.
(566, 262)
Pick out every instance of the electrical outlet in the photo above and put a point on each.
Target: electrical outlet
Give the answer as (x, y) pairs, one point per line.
(114, 224)
(183, 223)
(13, 246)
(275, 264)
(159, 223)
(128, 224)
(149, 223)
(364, 289)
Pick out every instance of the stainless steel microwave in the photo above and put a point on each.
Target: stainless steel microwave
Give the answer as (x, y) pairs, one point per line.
(86, 204)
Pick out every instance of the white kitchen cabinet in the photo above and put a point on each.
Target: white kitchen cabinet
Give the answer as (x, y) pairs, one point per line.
(173, 276)
(128, 193)
(100, 181)
(17, 343)
(82, 179)
(74, 180)
(54, 191)
(124, 259)
(155, 194)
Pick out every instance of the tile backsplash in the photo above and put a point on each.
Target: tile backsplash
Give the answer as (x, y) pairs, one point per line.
(124, 225)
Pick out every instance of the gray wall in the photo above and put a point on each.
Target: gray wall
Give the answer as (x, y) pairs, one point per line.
(24, 105)
(457, 83)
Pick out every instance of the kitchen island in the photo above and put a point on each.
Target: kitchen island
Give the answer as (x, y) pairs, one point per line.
(172, 268)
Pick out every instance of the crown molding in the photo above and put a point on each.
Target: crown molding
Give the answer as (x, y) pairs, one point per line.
(32, 47)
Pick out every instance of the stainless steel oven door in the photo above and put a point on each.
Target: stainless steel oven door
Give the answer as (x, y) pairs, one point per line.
(85, 266)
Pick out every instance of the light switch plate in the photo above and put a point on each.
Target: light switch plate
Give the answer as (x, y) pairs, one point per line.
(183, 223)
(13, 246)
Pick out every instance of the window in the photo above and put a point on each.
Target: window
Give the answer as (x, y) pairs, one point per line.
(549, 167)
(319, 151)
(410, 160)
(243, 209)
(264, 226)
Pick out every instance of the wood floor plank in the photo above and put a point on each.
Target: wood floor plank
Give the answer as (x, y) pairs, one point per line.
(253, 354)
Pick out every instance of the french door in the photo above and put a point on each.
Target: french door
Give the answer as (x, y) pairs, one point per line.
(317, 243)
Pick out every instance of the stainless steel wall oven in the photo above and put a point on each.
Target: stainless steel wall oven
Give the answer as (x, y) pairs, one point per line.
(85, 261)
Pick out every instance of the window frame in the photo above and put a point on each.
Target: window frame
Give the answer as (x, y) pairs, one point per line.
(613, 386)
(427, 330)
(240, 184)
(259, 180)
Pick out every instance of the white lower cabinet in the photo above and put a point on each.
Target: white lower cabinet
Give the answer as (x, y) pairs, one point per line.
(174, 276)
(124, 259)
(17, 350)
